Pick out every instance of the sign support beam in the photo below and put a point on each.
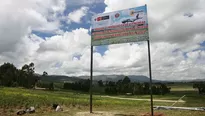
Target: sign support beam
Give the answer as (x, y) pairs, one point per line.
(150, 76)
(112, 28)
(91, 80)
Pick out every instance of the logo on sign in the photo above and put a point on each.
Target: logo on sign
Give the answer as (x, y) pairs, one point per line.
(102, 18)
(117, 15)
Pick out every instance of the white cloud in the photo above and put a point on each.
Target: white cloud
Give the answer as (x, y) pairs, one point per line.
(83, 2)
(166, 18)
(62, 48)
(171, 35)
(19, 19)
(77, 15)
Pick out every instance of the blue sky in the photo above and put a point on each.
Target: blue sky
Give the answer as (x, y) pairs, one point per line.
(93, 9)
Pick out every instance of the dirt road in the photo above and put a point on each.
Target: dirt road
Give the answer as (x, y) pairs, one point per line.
(155, 100)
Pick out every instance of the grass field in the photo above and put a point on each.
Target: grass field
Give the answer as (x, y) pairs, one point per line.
(13, 99)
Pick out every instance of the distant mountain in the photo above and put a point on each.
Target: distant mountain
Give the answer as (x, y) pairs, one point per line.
(189, 80)
(198, 80)
(115, 78)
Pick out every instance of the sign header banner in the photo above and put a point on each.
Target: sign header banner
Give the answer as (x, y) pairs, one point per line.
(122, 26)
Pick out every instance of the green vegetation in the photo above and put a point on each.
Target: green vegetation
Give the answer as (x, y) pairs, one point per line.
(126, 86)
(15, 98)
(20, 88)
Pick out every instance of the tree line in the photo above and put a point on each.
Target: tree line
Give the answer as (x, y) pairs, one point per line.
(200, 86)
(82, 85)
(123, 86)
(10, 76)
(25, 77)
(126, 86)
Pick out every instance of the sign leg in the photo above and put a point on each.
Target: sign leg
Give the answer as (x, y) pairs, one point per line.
(150, 76)
(91, 80)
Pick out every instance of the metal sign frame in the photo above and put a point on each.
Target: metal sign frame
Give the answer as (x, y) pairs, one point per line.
(150, 75)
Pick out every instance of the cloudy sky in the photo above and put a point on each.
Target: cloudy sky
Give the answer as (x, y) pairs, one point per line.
(55, 35)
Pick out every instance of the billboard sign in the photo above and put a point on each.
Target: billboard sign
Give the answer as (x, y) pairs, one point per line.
(123, 26)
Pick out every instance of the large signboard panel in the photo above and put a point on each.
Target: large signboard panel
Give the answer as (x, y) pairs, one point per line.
(123, 26)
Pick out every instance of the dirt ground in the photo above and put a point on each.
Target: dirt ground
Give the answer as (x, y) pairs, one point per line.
(103, 113)
(96, 113)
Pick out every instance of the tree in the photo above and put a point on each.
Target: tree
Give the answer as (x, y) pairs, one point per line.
(200, 86)
(8, 75)
(45, 73)
(100, 83)
(138, 89)
(164, 89)
(51, 86)
(11, 76)
(27, 73)
(111, 83)
(39, 83)
(126, 80)
(29, 69)
(81, 85)
(146, 89)
(119, 86)
(67, 85)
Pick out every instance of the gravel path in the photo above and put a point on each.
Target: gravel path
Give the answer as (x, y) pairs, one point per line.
(155, 100)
